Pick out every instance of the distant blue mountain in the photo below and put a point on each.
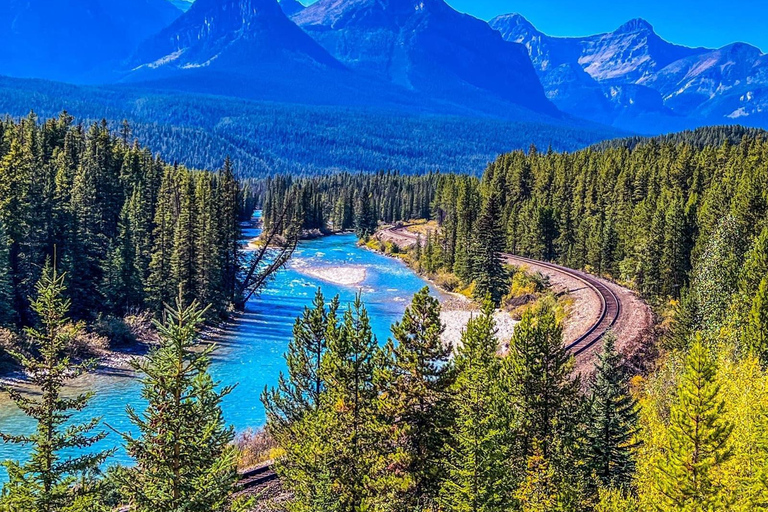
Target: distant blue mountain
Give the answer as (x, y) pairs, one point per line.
(75, 40)
(426, 46)
(632, 78)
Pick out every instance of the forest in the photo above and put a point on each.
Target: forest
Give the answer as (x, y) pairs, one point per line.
(357, 423)
(682, 221)
(268, 138)
(127, 228)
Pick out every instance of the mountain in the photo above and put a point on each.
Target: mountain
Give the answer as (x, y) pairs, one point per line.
(425, 46)
(291, 7)
(230, 35)
(243, 48)
(75, 40)
(633, 79)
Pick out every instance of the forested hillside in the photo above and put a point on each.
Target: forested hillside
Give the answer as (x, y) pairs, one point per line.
(128, 229)
(642, 214)
(265, 138)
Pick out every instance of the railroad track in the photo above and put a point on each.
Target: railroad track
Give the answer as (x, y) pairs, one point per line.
(256, 477)
(260, 476)
(610, 305)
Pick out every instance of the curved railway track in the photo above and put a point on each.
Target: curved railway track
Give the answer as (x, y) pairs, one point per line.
(610, 305)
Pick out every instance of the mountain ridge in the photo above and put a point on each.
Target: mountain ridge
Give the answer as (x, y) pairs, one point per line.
(424, 45)
(632, 78)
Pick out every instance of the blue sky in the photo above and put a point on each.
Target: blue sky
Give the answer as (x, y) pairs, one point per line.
(707, 23)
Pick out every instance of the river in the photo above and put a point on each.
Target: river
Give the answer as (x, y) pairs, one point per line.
(251, 352)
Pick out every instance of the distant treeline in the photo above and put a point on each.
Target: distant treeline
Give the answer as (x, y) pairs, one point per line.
(346, 201)
(128, 230)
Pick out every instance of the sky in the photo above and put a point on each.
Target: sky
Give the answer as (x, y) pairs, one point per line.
(709, 23)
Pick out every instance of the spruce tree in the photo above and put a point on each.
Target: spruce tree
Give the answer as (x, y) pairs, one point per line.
(184, 457)
(351, 409)
(417, 400)
(183, 258)
(699, 439)
(7, 314)
(613, 421)
(298, 414)
(160, 280)
(539, 368)
(488, 272)
(52, 481)
(478, 476)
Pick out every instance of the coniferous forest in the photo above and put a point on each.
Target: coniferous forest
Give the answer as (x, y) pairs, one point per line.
(93, 225)
(128, 229)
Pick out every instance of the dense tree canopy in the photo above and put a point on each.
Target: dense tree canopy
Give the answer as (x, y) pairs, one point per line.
(126, 228)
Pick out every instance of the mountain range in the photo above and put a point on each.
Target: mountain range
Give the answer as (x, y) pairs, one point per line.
(632, 78)
(420, 56)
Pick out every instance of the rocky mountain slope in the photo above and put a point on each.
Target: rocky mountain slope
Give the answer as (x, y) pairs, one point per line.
(632, 78)
(75, 40)
(426, 46)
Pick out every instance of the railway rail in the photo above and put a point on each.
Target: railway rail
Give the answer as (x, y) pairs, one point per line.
(610, 305)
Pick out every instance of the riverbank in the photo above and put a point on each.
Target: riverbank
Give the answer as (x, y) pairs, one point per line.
(457, 309)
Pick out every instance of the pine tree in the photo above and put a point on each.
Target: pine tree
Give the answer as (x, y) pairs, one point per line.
(477, 460)
(540, 371)
(15, 183)
(159, 283)
(184, 456)
(183, 258)
(354, 429)
(365, 218)
(756, 333)
(300, 392)
(613, 424)
(487, 270)
(297, 413)
(417, 398)
(52, 481)
(7, 314)
(699, 439)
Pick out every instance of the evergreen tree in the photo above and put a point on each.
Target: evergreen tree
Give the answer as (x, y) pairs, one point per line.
(699, 439)
(160, 275)
(479, 477)
(183, 260)
(540, 371)
(365, 217)
(417, 399)
(52, 481)
(756, 332)
(6, 286)
(613, 424)
(487, 270)
(354, 430)
(300, 392)
(185, 460)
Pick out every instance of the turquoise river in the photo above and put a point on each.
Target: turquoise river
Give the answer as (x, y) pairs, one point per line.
(251, 353)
